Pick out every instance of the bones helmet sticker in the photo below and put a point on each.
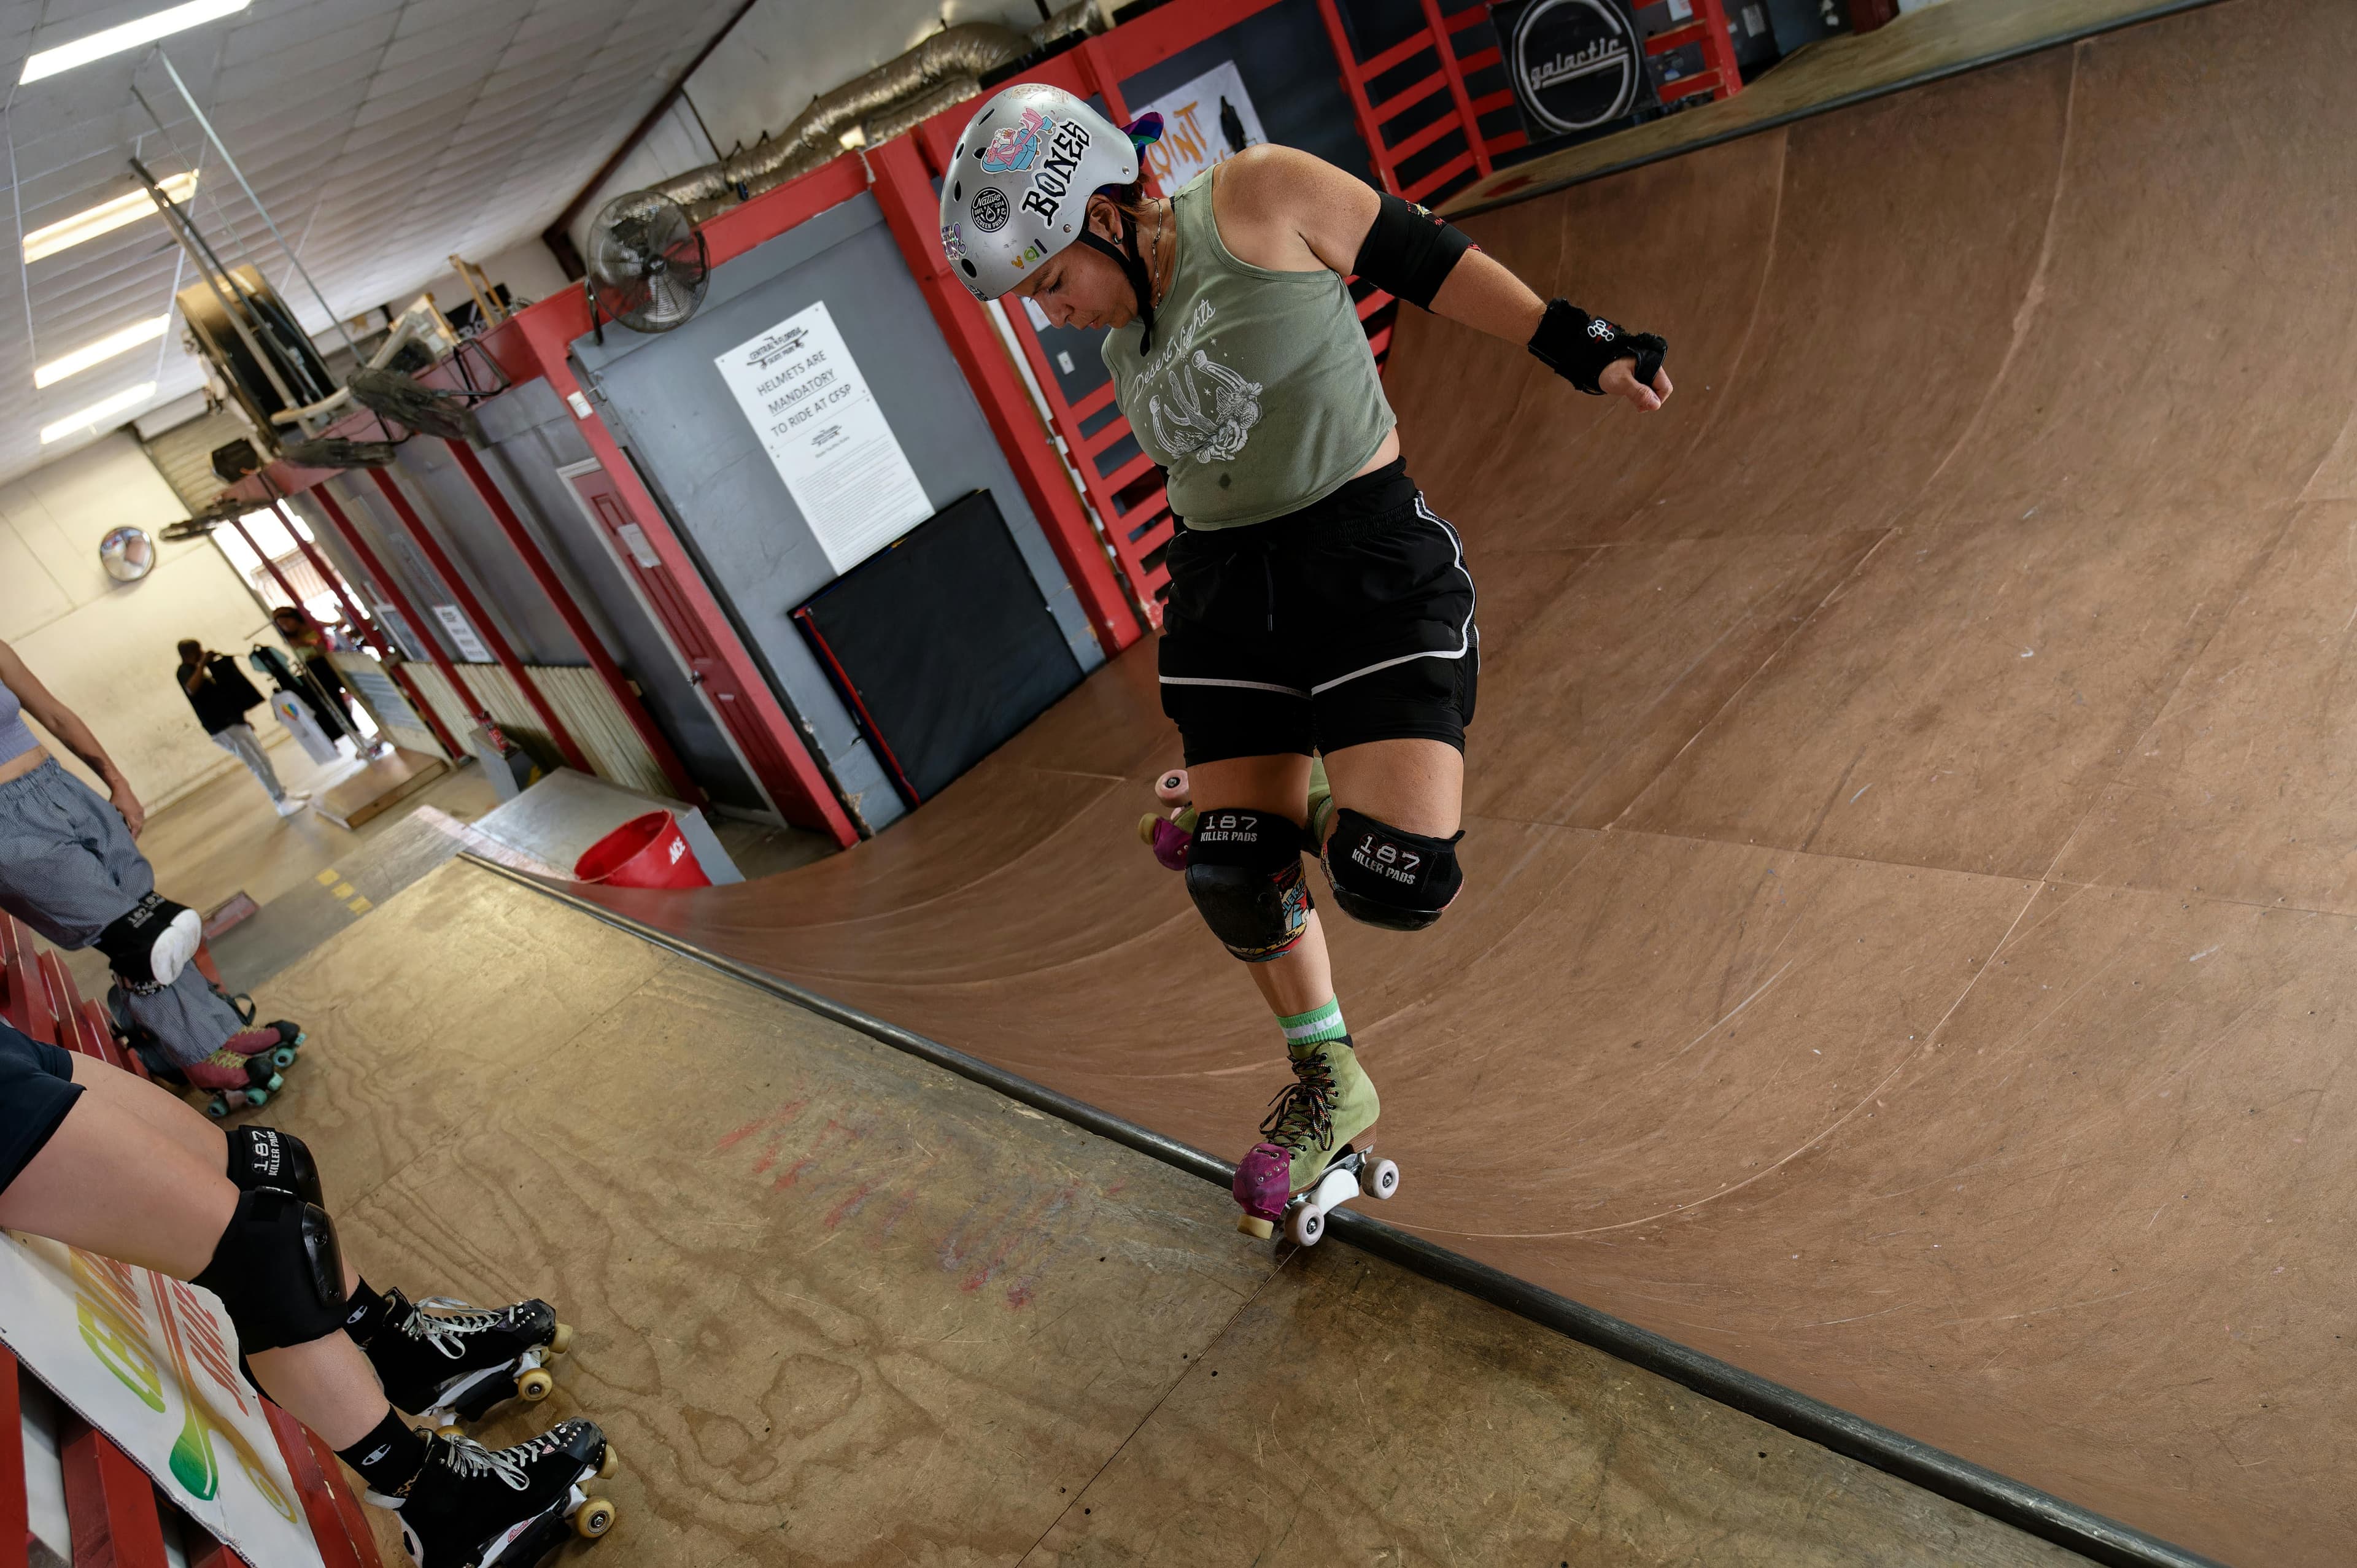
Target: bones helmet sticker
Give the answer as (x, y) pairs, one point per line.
(1012, 147)
(1054, 180)
(990, 210)
(953, 241)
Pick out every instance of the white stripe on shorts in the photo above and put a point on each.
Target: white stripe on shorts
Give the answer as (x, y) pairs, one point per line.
(1241, 685)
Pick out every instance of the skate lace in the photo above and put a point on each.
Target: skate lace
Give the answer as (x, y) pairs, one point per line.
(469, 1457)
(448, 1326)
(1302, 1113)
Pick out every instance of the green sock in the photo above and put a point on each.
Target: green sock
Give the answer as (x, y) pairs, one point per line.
(1320, 1025)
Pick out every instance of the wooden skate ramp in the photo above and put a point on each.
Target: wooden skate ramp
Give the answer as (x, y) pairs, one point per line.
(835, 1306)
(1911, 914)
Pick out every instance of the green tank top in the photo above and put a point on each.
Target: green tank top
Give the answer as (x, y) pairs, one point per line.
(1260, 395)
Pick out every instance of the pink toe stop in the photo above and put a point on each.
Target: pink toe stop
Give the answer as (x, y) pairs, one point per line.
(1171, 843)
(1265, 1181)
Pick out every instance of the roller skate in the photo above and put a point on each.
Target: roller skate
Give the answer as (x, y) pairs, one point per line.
(1320, 815)
(454, 1362)
(1170, 836)
(236, 1081)
(1307, 1166)
(472, 1507)
(279, 1041)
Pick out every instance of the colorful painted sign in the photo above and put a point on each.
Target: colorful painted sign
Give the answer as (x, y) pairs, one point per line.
(152, 1363)
(1209, 120)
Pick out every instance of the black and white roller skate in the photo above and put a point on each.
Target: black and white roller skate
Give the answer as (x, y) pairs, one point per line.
(472, 1507)
(445, 1362)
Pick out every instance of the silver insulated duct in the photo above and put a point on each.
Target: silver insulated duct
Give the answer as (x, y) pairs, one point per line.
(943, 71)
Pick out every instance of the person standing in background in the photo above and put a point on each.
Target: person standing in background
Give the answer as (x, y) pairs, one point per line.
(222, 695)
(311, 644)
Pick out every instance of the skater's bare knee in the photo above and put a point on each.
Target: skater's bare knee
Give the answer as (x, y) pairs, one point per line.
(1280, 783)
(155, 1105)
(1415, 785)
(109, 1182)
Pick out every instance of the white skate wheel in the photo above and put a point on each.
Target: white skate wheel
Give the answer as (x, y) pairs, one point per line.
(1306, 1224)
(1381, 1179)
(1171, 787)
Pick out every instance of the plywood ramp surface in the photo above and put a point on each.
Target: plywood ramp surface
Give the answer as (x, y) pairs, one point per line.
(835, 1306)
(1908, 945)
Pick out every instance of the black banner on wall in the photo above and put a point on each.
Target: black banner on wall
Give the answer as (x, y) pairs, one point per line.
(1577, 66)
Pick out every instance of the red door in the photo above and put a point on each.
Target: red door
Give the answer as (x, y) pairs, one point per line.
(706, 668)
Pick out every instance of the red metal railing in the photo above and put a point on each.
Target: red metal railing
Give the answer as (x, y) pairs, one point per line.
(1719, 75)
(1441, 48)
(110, 1501)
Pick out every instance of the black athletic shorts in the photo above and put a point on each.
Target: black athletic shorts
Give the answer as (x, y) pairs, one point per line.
(36, 1090)
(1348, 621)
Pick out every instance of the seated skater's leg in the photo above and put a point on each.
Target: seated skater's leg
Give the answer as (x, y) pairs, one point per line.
(83, 1161)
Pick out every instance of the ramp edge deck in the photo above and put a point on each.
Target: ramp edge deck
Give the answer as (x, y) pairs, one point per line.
(1827, 106)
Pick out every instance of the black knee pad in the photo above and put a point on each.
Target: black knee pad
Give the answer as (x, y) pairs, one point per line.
(278, 1272)
(1388, 876)
(1244, 871)
(129, 944)
(264, 1157)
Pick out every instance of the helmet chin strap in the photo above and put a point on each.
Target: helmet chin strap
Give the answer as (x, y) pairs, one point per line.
(1125, 256)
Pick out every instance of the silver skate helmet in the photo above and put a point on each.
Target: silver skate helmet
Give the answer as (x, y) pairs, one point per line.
(1019, 186)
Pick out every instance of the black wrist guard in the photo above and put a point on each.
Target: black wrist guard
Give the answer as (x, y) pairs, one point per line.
(1579, 347)
(1409, 252)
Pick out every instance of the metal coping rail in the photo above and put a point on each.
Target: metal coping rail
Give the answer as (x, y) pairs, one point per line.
(1843, 101)
(2001, 1497)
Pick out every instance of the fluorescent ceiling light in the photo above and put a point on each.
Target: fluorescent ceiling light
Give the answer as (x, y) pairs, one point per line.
(106, 349)
(89, 418)
(129, 36)
(106, 217)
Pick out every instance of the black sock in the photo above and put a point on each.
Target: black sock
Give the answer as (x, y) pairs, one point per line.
(390, 1457)
(367, 1314)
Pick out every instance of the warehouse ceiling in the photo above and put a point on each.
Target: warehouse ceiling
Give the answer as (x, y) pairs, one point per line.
(382, 135)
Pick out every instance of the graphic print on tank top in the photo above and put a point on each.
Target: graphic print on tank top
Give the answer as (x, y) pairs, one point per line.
(1198, 407)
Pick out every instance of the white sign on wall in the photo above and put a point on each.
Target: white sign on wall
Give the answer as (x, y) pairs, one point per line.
(1209, 120)
(470, 647)
(825, 432)
(153, 1363)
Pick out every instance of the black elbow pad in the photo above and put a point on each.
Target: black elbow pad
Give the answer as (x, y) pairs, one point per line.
(1409, 252)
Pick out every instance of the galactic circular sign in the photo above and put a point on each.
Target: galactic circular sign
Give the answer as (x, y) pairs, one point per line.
(1575, 63)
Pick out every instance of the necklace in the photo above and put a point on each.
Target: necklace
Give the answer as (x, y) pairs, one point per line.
(1154, 266)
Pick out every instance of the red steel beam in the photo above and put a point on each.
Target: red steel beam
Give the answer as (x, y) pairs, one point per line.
(364, 628)
(293, 597)
(537, 563)
(390, 586)
(484, 624)
(370, 632)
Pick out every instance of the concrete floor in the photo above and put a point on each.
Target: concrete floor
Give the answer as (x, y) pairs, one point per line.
(834, 1306)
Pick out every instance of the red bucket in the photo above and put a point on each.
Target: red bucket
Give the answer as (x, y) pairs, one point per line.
(645, 852)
